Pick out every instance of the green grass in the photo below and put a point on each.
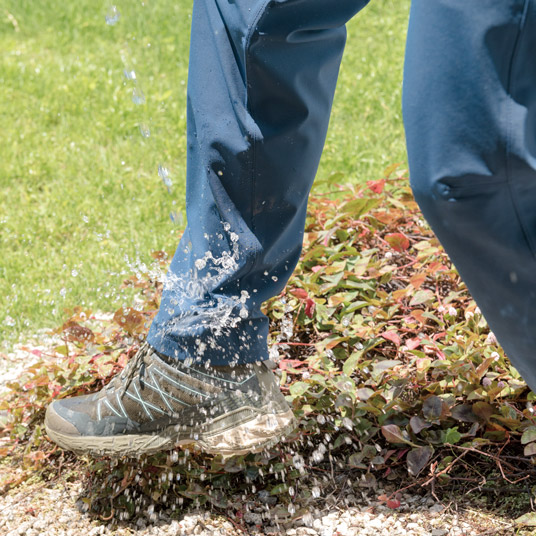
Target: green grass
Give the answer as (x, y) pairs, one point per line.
(80, 190)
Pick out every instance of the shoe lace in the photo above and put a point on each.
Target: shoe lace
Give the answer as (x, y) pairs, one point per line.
(135, 367)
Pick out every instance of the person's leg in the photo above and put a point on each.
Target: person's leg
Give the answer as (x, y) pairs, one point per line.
(469, 105)
(261, 84)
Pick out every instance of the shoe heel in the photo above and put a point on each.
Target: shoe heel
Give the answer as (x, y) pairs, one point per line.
(259, 433)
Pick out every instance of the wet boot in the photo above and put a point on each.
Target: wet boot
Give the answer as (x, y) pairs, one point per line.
(157, 404)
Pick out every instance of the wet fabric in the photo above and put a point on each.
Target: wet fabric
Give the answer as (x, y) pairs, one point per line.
(261, 83)
(469, 103)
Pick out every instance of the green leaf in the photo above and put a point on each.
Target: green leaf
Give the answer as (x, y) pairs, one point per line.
(359, 207)
(299, 388)
(278, 489)
(351, 363)
(356, 460)
(422, 296)
(529, 435)
(452, 436)
(364, 393)
(528, 520)
(530, 449)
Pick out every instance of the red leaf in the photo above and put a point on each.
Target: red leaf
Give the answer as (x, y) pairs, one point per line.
(299, 293)
(55, 388)
(391, 336)
(73, 331)
(309, 307)
(376, 186)
(413, 343)
(395, 503)
(285, 364)
(131, 320)
(397, 241)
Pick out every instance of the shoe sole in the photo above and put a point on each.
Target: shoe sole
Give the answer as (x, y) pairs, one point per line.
(255, 432)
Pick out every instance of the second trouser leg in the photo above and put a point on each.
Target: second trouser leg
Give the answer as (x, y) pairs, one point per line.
(261, 83)
(470, 116)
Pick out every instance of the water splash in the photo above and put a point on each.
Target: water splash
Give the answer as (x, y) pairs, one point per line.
(129, 74)
(112, 16)
(177, 218)
(195, 295)
(138, 96)
(145, 131)
(164, 174)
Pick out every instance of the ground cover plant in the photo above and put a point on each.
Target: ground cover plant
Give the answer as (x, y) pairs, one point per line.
(388, 363)
(82, 203)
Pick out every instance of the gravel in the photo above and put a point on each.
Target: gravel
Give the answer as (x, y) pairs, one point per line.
(37, 510)
(41, 509)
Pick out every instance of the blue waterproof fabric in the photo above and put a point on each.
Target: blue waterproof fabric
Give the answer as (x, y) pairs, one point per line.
(261, 84)
(469, 104)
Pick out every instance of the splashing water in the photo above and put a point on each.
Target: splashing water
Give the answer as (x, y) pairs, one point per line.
(164, 174)
(112, 16)
(145, 131)
(130, 74)
(137, 96)
(194, 295)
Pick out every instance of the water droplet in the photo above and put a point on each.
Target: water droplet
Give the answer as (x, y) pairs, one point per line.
(234, 237)
(145, 131)
(200, 264)
(137, 96)
(348, 423)
(164, 175)
(74, 273)
(130, 74)
(112, 16)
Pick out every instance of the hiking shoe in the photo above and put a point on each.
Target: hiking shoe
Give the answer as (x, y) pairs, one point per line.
(157, 403)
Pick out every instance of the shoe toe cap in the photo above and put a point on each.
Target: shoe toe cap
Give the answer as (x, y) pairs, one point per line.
(56, 419)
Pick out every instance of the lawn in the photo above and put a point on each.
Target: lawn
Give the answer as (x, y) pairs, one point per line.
(83, 205)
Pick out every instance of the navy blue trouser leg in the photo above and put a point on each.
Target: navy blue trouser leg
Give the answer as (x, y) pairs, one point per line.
(261, 83)
(469, 105)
